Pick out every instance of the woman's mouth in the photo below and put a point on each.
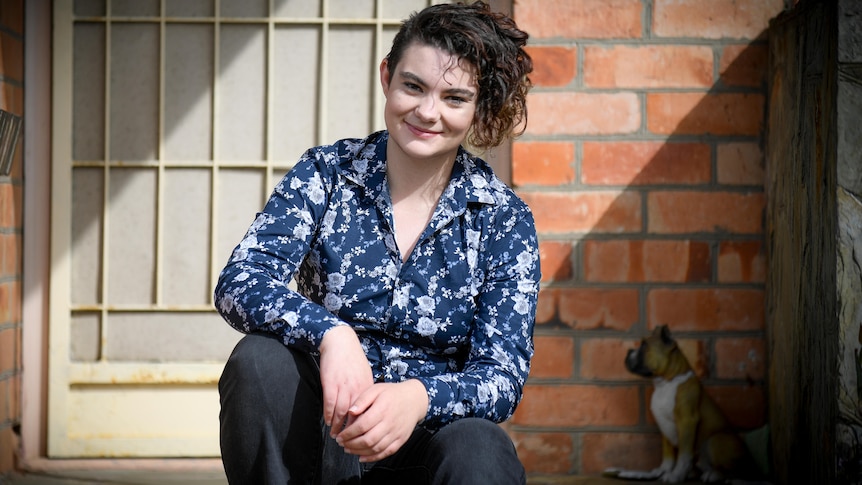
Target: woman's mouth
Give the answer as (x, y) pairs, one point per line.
(420, 132)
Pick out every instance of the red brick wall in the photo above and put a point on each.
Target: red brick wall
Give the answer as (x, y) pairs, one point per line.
(11, 224)
(643, 164)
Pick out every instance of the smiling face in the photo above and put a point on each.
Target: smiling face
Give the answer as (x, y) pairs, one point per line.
(430, 104)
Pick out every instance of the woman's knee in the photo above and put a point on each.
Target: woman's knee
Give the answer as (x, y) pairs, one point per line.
(270, 416)
(260, 362)
(472, 433)
(478, 448)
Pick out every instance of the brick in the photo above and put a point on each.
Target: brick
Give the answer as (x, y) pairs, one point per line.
(6, 252)
(5, 400)
(694, 212)
(545, 453)
(554, 357)
(543, 163)
(12, 63)
(741, 262)
(11, 206)
(595, 212)
(12, 99)
(645, 163)
(702, 114)
(740, 164)
(596, 19)
(631, 451)
(714, 19)
(15, 396)
(7, 206)
(648, 66)
(17, 206)
(15, 301)
(12, 15)
(577, 405)
(744, 405)
(10, 255)
(647, 261)
(596, 308)
(10, 302)
(553, 66)
(740, 358)
(19, 362)
(697, 355)
(706, 309)
(8, 350)
(5, 296)
(546, 306)
(744, 65)
(8, 448)
(556, 260)
(604, 359)
(562, 113)
(15, 253)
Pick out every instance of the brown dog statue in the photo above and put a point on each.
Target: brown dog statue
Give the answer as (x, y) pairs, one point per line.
(694, 430)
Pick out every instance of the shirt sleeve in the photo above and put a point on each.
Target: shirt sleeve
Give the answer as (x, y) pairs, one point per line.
(252, 292)
(491, 383)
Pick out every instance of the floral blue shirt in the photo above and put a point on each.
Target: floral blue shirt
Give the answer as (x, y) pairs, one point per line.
(458, 315)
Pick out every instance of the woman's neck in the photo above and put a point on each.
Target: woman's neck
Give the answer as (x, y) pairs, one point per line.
(415, 187)
(419, 180)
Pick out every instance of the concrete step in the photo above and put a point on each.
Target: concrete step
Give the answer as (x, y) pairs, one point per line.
(154, 477)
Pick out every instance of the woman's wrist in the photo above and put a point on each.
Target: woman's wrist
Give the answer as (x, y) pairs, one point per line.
(419, 396)
(336, 334)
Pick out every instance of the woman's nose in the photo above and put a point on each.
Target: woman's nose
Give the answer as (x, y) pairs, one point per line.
(427, 110)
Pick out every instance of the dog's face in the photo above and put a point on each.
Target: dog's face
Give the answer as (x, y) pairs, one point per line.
(651, 358)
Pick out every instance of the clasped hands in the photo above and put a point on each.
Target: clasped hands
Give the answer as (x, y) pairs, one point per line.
(368, 419)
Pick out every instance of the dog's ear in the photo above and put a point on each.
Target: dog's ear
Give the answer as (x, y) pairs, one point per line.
(665, 334)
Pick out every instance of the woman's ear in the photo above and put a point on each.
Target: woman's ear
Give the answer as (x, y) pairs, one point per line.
(384, 75)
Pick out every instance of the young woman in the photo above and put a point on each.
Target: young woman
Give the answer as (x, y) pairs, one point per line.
(410, 333)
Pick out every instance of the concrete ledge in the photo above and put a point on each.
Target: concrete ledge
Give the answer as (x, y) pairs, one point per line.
(188, 471)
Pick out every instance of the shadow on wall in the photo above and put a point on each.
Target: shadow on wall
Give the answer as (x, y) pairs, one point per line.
(659, 222)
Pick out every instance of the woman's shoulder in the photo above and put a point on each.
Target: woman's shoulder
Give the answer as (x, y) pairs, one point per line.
(347, 153)
(345, 156)
(348, 148)
(487, 187)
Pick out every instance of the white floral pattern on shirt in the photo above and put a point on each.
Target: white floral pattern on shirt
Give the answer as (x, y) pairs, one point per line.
(458, 315)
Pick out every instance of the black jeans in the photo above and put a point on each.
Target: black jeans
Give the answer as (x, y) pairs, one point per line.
(272, 432)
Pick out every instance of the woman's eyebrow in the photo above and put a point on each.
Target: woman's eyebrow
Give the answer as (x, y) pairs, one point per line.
(413, 77)
(466, 93)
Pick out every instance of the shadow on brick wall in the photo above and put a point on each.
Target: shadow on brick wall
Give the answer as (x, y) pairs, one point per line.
(660, 225)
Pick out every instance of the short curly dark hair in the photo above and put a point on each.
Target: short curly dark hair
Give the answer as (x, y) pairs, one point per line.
(494, 45)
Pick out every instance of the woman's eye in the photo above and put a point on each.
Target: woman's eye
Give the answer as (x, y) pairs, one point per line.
(455, 100)
(412, 86)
